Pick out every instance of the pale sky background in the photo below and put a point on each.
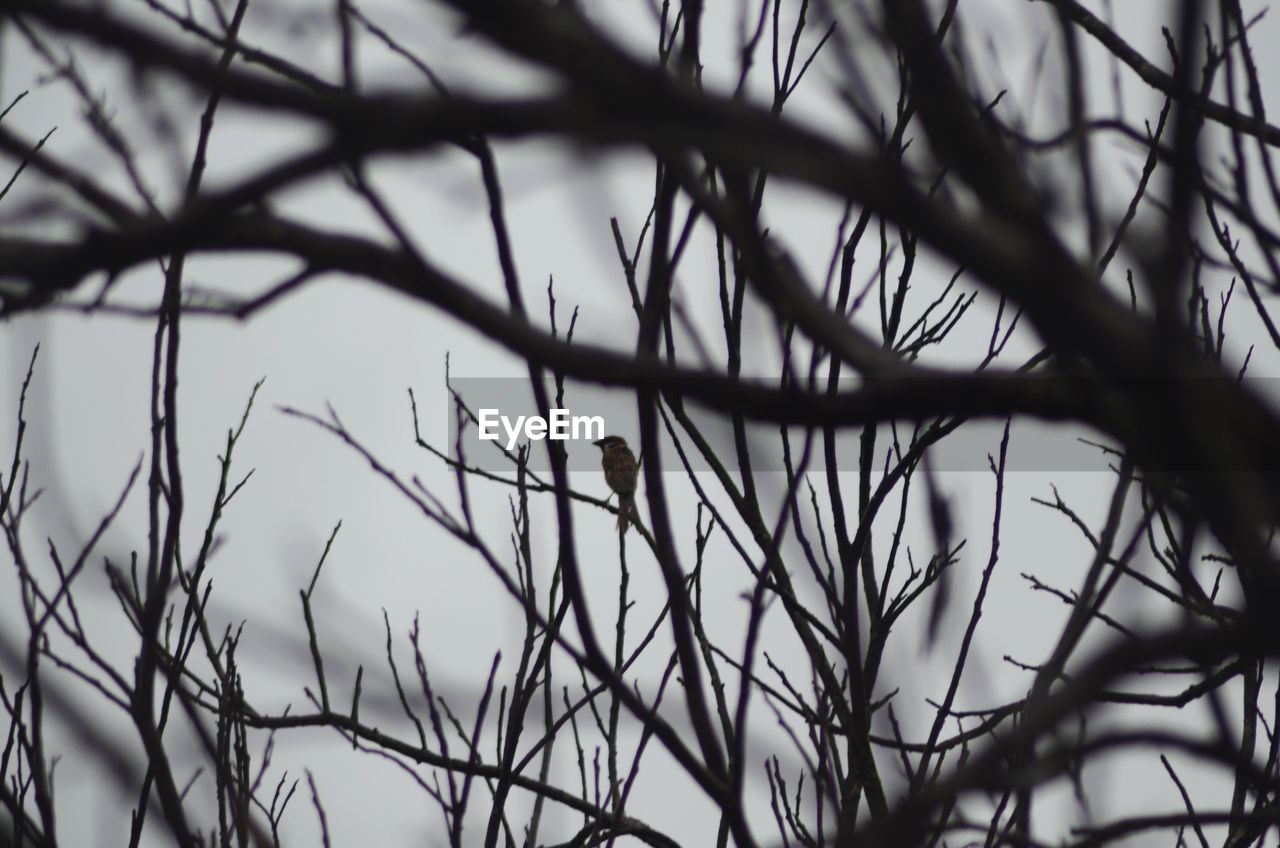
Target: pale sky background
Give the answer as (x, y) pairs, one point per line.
(352, 345)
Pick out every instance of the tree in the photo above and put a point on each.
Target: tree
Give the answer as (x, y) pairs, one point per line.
(994, 259)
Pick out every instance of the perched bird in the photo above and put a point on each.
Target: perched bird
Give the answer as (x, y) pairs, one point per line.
(619, 465)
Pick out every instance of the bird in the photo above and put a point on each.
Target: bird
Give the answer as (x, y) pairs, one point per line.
(619, 465)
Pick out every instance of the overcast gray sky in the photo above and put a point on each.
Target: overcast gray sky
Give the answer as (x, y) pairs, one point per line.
(360, 349)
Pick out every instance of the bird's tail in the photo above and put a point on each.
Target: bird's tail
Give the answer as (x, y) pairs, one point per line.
(627, 514)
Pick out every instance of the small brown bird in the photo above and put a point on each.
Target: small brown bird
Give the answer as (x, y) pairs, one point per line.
(619, 465)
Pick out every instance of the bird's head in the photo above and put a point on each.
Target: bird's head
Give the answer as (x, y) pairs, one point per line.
(610, 442)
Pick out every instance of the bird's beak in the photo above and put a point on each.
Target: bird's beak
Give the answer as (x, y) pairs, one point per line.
(598, 443)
